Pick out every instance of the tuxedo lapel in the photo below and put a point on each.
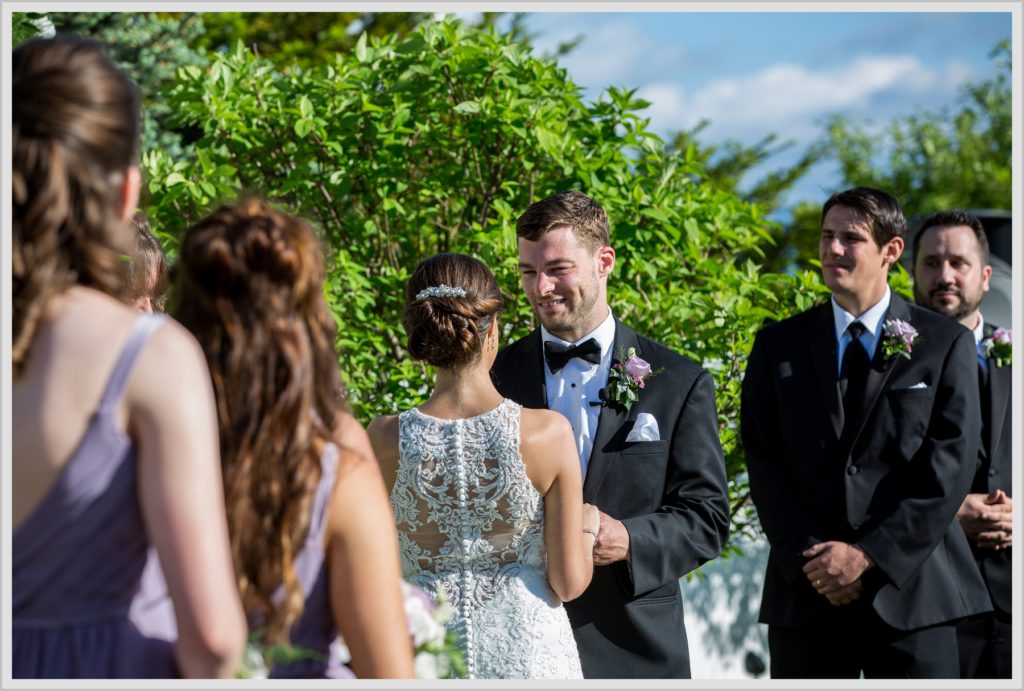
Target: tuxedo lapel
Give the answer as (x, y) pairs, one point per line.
(881, 366)
(611, 420)
(998, 392)
(531, 383)
(998, 395)
(823, 353)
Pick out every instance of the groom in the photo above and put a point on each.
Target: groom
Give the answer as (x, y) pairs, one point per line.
(655, 470)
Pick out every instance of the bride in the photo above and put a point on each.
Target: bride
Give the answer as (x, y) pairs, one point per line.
(487, 495)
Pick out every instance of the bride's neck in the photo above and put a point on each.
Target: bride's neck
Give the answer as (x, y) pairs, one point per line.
(463, 392)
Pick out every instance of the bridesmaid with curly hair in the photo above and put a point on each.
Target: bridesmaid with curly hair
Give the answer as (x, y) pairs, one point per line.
(114, 443)
(312, 535)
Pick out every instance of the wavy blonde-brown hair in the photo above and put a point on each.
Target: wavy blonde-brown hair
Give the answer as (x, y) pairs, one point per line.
(75, 133)
(249, 285)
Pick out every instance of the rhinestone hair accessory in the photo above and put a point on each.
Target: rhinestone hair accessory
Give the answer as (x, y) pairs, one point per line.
(441, 291)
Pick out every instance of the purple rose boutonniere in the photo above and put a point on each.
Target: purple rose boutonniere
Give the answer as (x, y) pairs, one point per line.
(999, 347)
(628, 375)
(899, 338)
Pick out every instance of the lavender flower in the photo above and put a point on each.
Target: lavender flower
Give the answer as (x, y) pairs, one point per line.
(999, 347)
(899, 338)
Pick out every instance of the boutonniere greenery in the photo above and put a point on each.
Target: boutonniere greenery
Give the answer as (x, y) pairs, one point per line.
(628, 375)
(899, 338)
(999, 347)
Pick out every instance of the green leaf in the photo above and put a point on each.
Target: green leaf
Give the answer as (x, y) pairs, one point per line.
(548, 140)
(467, 107)
(305, 107)
(361, 48)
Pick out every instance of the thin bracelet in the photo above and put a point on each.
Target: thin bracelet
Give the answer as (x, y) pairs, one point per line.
(591, 531)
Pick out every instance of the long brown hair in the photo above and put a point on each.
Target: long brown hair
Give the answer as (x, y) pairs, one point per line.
(75, 132)
(249, 285)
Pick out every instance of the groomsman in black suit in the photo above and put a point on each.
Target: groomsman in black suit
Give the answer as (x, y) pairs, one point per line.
(860, 426)
(951, 274)
(653, 466)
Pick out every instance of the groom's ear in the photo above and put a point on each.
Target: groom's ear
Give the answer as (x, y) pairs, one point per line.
(605, 261)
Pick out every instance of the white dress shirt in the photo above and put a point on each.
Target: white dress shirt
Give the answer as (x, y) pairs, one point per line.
(979, 337)
(872, 321)
(573, 388)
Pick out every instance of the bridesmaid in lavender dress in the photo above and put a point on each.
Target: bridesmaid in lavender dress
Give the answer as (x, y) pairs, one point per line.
(114, 447)
(312, 535)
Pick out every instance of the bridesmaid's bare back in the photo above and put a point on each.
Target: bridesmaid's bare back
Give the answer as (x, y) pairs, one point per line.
(71, 360)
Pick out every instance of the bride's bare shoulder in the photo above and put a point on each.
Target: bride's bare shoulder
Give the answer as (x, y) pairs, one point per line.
(383, 433)
(540, 427)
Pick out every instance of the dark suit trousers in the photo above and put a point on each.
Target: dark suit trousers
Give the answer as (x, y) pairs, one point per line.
(863, 644)
(985, 644)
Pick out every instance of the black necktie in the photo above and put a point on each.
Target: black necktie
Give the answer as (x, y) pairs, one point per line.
(557, 355)
(853, 376)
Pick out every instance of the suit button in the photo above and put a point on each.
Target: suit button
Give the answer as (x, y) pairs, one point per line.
(853, 470)
(992, 472)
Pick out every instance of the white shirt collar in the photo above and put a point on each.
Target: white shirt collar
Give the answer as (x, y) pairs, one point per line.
(871, 319)
(604, 334)
(979, 330)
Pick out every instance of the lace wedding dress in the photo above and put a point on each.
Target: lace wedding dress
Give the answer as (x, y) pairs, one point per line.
(471, 530)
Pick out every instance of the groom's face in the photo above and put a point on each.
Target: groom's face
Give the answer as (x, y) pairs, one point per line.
(563, 280)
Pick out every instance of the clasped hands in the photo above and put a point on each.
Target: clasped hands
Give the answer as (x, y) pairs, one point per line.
(612, 543)
(987, 520)
(835, 569)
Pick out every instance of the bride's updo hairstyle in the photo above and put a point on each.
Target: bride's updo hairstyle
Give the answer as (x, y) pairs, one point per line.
(75, 131)
(450, 302)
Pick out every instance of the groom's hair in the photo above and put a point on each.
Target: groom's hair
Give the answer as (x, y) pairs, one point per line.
(571, 209)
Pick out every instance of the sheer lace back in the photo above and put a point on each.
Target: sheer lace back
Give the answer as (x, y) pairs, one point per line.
(463, 495)
(471, 530)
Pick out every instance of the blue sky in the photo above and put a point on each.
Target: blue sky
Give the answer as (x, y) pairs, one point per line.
(752, 74)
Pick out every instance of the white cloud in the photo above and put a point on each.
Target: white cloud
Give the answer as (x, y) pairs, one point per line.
(614, 52)
(788, 99)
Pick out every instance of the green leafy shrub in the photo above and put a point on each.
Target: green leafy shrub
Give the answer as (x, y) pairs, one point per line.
(435, 142)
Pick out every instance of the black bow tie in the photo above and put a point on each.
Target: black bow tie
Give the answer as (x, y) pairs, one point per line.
(557, 355)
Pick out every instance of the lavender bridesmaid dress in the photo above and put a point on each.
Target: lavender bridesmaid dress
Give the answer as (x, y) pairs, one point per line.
(314, 630)
(78, 557)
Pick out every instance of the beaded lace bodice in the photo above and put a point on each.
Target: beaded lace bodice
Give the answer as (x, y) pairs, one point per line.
(471, 529)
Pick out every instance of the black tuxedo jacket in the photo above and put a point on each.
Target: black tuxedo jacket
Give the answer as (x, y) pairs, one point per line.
(994, 471)
(670, 494)
(893, 488)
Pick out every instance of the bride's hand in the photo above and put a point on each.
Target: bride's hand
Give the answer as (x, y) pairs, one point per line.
(591, 517)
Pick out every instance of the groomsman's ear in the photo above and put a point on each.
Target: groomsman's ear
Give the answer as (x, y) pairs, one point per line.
(605, 261)
(892, 250)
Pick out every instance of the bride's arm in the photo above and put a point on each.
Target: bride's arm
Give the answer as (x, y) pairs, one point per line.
(365, 577)
(553, 465)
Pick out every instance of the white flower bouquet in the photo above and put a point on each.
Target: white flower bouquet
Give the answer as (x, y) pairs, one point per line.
(436, 652)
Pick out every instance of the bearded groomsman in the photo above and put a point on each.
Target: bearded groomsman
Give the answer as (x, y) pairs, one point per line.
(647, 433)
(951, 275)
(858, 418)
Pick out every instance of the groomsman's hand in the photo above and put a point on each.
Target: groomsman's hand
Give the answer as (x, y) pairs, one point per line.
(987, 520)
(845, 596)
(834, 566)
(612, 543)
